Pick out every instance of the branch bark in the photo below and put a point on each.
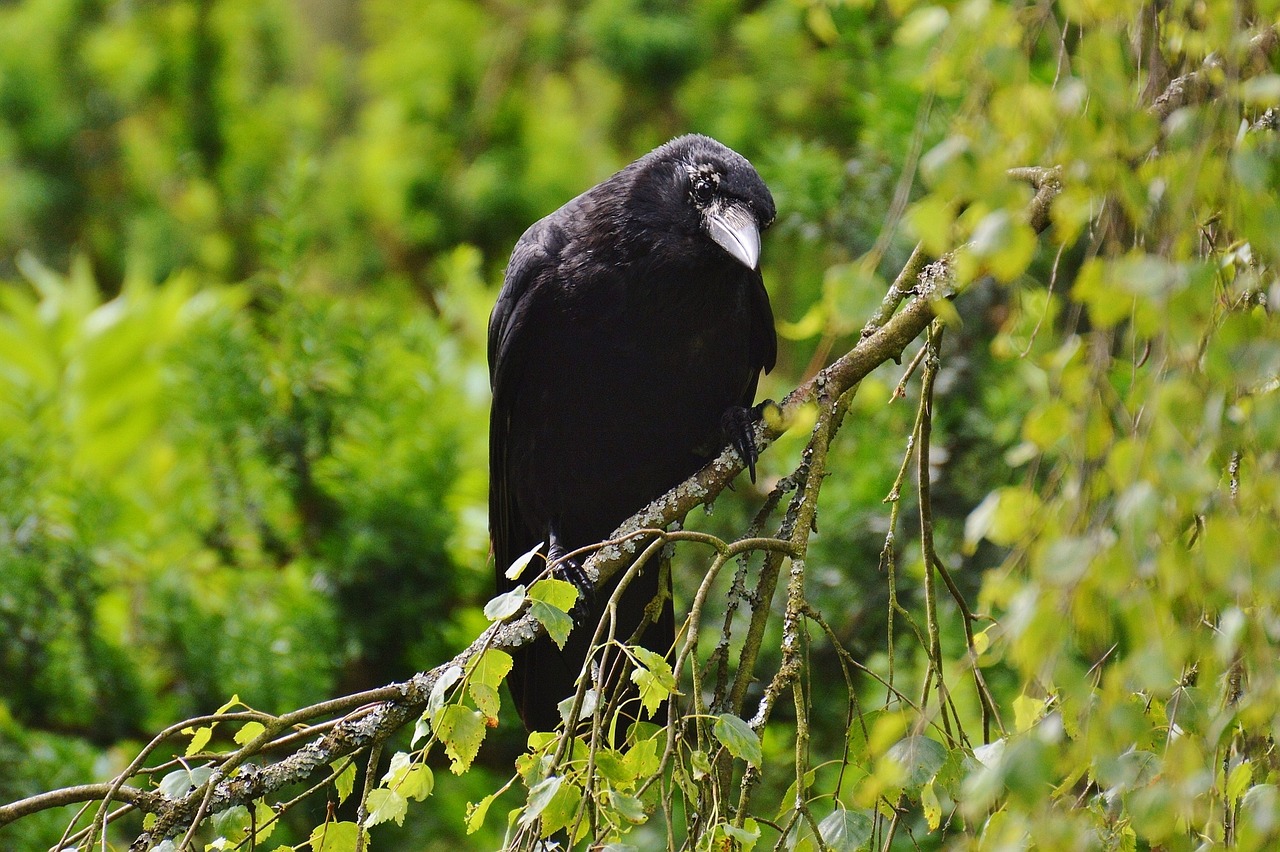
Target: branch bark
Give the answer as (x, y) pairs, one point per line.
(1200, 84)
(147, 801)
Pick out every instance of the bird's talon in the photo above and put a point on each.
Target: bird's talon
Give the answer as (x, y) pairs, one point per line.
(739, 427)
(570, 570)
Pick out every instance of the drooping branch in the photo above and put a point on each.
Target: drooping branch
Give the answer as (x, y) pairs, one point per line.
(146, 800)
(1199, 85)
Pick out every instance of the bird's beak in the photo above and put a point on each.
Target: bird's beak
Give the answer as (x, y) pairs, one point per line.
(733, 227)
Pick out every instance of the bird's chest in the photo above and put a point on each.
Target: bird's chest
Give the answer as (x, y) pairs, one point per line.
(644, 356)
(623, 397)
(686, 345)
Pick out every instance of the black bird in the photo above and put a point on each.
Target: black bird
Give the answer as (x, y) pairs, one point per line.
(624, 351)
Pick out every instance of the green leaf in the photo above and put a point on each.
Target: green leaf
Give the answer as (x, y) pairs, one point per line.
(1006, 245)
(611, 767)
(1260, 807)
(264, 816)
(199, 739)
(517, 567)
(919, 757)
(344, 781)
(788, 803)
(1074, 208)
(845, 831)
(809, 325)
(932, 219)
(1047, 424)
(561, 810)
(477, 812)
(461, 729)
(557, 593)
(505, 605)
(384, 805)
(746, 836)
(735, 735)
(180, 782)
(589, 699)
(931, 806)
(641, 760)
(945, 310)
(539, 743)
(335, 837)
(652, 690)
(421, 729)
(654, 678)
(1027, 711)
(822, 24)
(440, 690)
(540, 795)
(418, 782)
(489, 667)
(400, 763)
(628, 807)
(1262, 91)
(486, 699)
(1003, 517)
(979, 522)
(246, 734)
(701, 764)
(233, 822)
(409, 779)
(555, 620)
(982, 641)
(651, 660)
(1136, 287)
(1238, 781)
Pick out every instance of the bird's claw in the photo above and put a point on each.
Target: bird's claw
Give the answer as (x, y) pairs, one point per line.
(570, 570)
(739, 427)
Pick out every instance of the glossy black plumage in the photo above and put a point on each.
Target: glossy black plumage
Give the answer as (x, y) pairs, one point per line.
(630, 320)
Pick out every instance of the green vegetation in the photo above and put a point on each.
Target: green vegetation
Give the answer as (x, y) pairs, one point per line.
(247, 253)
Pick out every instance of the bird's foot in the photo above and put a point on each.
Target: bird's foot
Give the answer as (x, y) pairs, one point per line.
(569, 569)
(739, 427)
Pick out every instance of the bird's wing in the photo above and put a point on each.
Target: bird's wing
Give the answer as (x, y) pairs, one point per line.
(763, 340)
(513, 315)
(528, 260)
(535, 255)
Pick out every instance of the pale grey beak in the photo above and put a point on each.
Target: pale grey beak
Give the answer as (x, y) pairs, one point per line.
(733, 227)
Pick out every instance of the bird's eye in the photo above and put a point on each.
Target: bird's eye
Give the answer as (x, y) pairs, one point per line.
(702, 187)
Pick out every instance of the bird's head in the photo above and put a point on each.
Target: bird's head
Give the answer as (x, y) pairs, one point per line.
(719, 193)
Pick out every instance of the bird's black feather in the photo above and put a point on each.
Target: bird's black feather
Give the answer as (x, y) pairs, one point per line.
(622, 334)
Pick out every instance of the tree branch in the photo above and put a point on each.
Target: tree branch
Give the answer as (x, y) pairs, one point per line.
(147, 801)
(1199, 85)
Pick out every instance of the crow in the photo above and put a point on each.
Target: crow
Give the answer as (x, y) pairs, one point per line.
(624, 351)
